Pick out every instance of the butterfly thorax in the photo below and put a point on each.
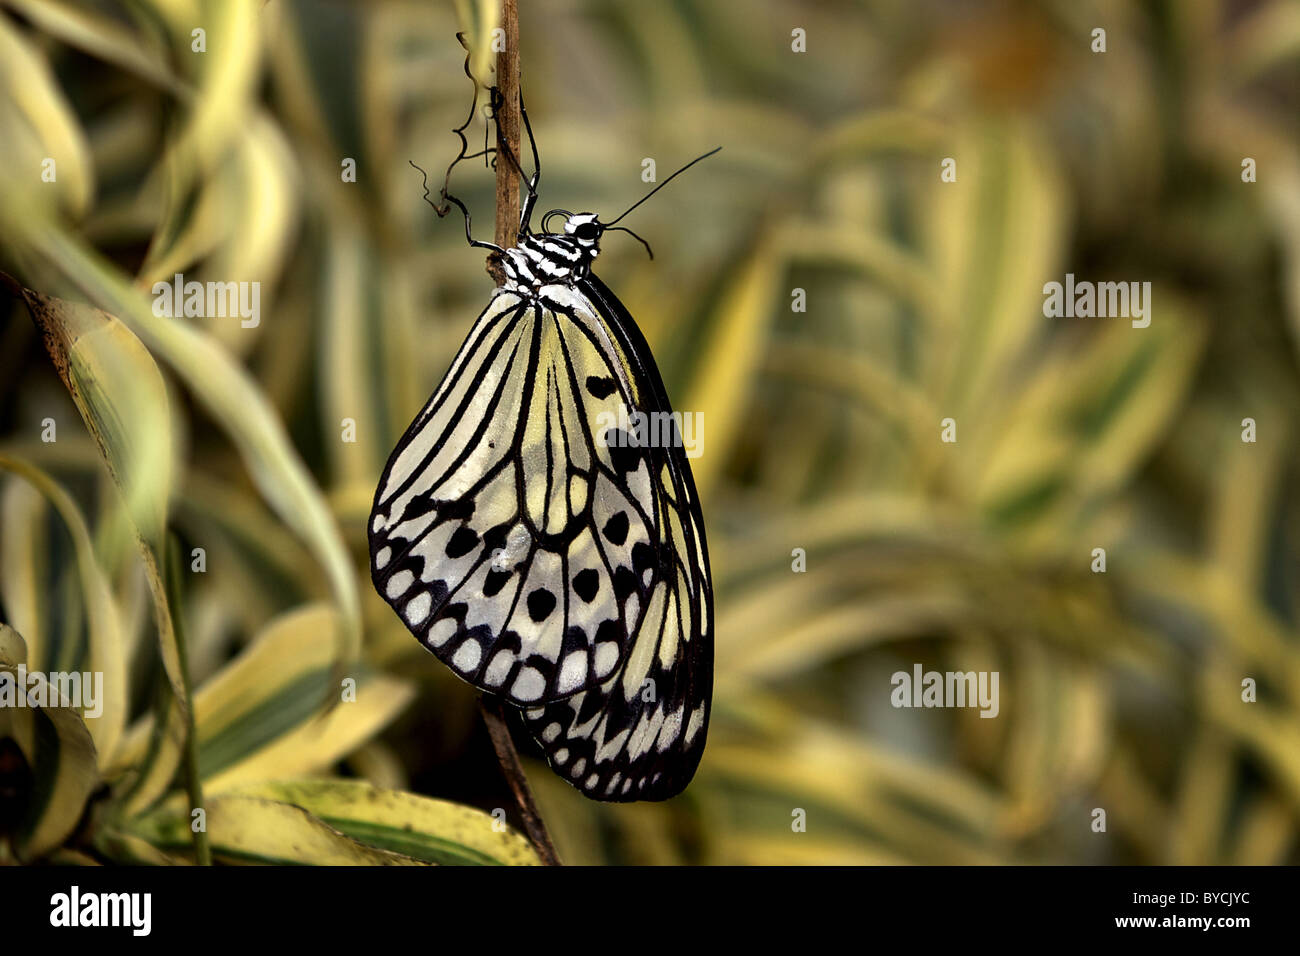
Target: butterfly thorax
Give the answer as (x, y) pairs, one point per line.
(546, 259)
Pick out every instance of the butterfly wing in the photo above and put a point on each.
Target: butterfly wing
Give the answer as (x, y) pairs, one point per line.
(540, 551)
(640, 735)
(505, 536)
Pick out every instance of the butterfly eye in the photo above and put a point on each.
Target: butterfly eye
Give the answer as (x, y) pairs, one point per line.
(587, 230)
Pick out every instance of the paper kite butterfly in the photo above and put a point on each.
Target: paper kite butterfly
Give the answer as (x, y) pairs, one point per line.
(542, 554)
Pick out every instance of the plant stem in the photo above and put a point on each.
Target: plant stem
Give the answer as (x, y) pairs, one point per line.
(495, 717)
(508, 128)
(507, 228)
(193, 785)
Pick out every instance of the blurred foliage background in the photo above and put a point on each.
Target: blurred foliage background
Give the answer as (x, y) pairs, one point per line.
(1120, 691)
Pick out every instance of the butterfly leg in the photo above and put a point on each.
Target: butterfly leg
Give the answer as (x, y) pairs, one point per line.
(447, 197)
(531, 184)
(525, 217)
(530, 201)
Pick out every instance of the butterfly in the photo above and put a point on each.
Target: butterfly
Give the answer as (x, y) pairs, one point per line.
(541, 545)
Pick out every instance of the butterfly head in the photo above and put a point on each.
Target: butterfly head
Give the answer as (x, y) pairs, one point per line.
(585, 229)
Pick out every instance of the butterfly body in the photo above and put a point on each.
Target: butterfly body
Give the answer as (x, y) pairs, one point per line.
(544, 260)
(542, 551)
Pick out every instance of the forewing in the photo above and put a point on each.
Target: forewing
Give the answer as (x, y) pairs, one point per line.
(507, 537)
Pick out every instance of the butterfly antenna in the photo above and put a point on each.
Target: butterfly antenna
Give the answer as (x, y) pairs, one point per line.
(662, 185)
(648, 250)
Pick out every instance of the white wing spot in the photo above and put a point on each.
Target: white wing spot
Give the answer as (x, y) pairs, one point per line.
(647, 729)
(442, 632)
(671, 729)
(398, 584)
(417, 609)
(467, 656)
(693, 725)
(574, 671)
(529, 684)
(499, 669)
(638, 482)
(516, 549)
(577, 494)
(382, 558)
(551, 732)
(606, 657)
(612, 746)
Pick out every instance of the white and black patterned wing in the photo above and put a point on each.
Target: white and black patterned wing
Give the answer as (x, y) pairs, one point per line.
(509, 540)
(640, 735)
